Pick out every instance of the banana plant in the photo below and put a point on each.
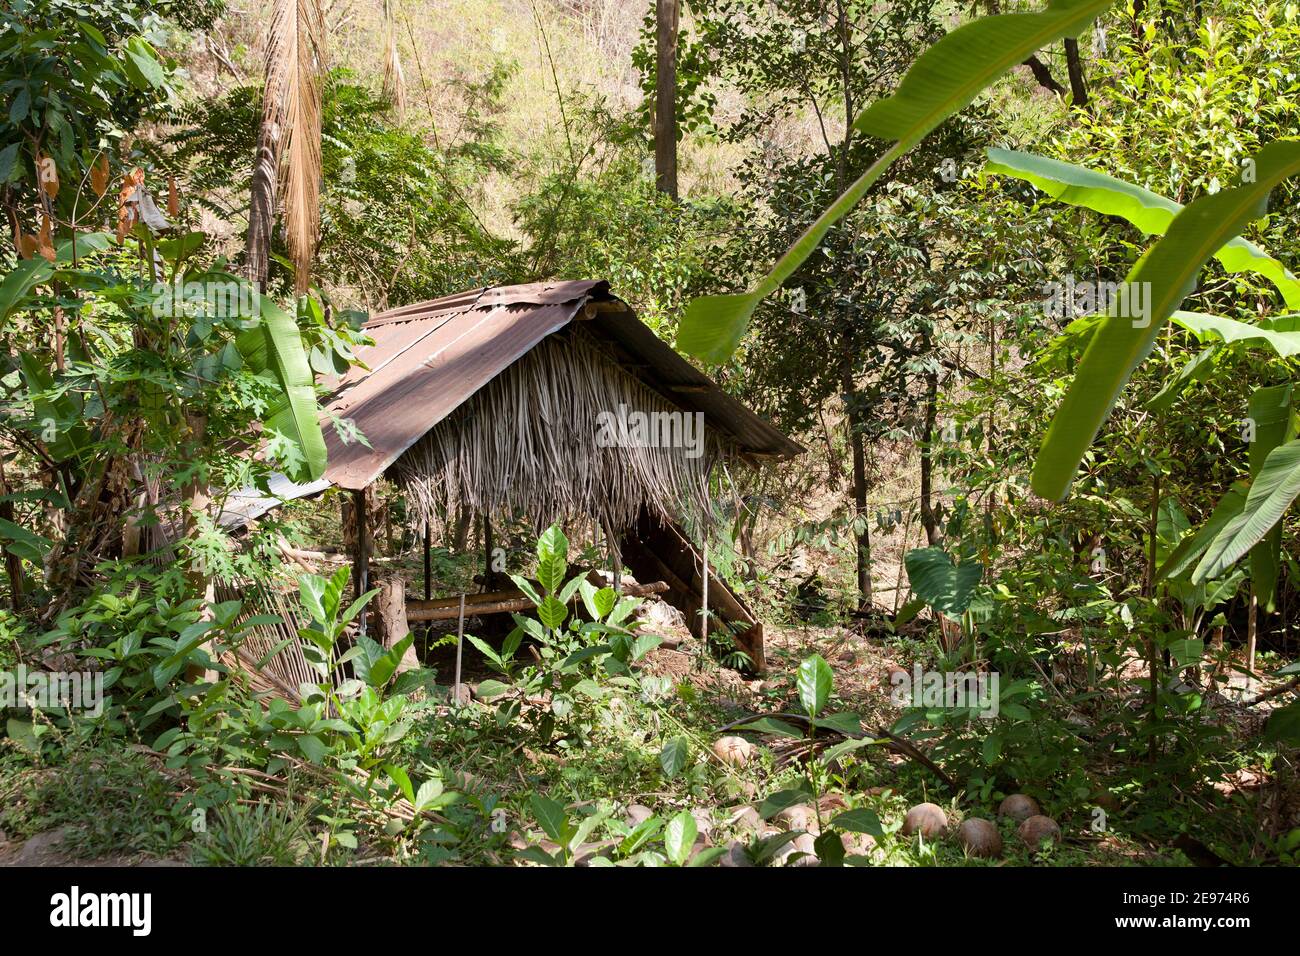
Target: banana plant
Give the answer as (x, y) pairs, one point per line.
(1169, 270)
(944, 80)
(1244, 522)
(1148, 211)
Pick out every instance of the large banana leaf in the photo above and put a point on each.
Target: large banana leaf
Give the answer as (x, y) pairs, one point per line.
(1211, 327)
(1271, 493)
(943, 80)
(1194, 545)
(1271, 412)
(1171, 268)
(273, 349)
(1150, 212)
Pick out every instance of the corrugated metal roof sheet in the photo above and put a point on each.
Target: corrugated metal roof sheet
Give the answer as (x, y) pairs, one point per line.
(430, 357)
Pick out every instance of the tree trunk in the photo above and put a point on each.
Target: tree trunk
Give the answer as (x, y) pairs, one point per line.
(1078, 87)
(460, 537)
(13, 564)
(390, 619)
(665, 115)
(927, 458)
(862, 531)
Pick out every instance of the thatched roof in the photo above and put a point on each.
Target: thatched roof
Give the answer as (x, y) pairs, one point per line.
(491, 399)
(429, 358)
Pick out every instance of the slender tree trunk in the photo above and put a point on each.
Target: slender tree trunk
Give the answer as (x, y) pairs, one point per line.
(665, 116)
(1153, 654)
(862, 533)
(13, 564)
(927, 458)
(1078, 86)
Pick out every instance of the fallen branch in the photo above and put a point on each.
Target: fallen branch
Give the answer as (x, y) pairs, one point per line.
(894, 742)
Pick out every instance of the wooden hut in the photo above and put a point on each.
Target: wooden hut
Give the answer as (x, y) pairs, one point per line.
(550, 402)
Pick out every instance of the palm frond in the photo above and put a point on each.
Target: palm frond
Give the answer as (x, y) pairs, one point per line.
(394, 85)
(295, 62)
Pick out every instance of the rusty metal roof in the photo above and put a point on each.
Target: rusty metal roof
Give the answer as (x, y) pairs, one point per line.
(430, 357)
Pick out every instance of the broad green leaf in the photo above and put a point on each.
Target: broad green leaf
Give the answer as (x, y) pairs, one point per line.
(1194, 545)
(552, 613)
(846, 723)
(943, 80)
(707, 856)
(24, 733)
(588, 592)
(19, 541)
(550, 817)
(553, 543)
(946, 587)
(1271, 493)
(770, 725)
(1284, 724)
(491, 688)
(1150, 212)
(1271, 413)
(606, 598)
(402, 779)
(1229, 331)
(814, 680)
(551, 569)
(783, 800)
(1169, 271)
(20, 280)
(8, 157)
(430, 791)
(861, 820)
(274, 350)
(679, 837)
(674, 756)
(312, 747)
(486, 650)
(142, 64)
(1187, 651)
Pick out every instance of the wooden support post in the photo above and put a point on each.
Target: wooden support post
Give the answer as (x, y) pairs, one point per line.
(704, 591)
(428, 564)
(460, 641)
(360, 551)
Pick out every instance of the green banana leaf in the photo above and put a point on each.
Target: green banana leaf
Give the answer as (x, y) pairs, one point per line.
(1171, 268)
(942, 81)
(273, 350)
(21, 279)
(1230, 331)
(1272, 412)
(1150, 212)
(1191, 547)
(1271, 493)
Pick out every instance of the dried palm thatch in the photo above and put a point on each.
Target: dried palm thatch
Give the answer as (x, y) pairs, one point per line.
(289, 144)
(271, 654)
(534, 441)
(394, 83)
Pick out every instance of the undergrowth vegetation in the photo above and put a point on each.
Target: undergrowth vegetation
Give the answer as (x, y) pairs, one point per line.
(1029, 592)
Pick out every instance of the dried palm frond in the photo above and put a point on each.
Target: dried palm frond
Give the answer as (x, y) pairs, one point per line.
(528, 443)
(291, 126)
(394, 85)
